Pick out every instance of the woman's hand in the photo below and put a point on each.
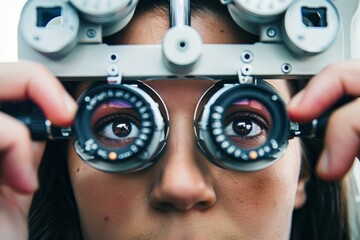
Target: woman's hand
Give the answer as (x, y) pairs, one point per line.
(19, 156)
(342, 139)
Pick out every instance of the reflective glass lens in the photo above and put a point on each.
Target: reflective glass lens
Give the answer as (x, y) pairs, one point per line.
(116, 124)
(247, 123)
(243, 127)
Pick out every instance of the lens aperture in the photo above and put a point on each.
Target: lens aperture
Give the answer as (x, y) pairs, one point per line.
(120, 128)
(242, 127)
(247, 124)
(116, 124)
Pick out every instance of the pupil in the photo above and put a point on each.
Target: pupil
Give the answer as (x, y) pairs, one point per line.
(122, 128)
(242, 127)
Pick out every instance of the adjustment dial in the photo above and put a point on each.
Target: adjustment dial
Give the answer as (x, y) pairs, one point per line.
(112, 14)
(101, 11)
(262, 10)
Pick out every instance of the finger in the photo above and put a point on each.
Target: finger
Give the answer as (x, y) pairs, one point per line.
(31, 80)
(13, 222)
(324, 90)
(38, 149)
(17, 169)
(342, 141)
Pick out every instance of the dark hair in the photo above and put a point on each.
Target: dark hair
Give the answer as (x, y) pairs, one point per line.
(324, 215)
(54, 215)
(53, 212)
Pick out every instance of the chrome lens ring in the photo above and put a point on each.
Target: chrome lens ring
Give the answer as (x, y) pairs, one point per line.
(217, 145)
(151, 130)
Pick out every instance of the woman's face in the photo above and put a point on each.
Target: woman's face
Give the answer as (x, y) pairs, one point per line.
(184, 196)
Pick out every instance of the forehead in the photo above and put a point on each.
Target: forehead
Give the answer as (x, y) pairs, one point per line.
(210, 18)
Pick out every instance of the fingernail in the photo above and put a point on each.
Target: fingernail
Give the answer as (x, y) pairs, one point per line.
(69, 102)
(295, 101)
(323, 166)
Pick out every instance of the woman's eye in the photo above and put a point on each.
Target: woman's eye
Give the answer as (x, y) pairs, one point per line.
(121, 128)
(246, 129)
(116, 131)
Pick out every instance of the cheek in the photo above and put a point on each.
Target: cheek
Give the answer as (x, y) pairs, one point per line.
(105, 201)
(265, 198)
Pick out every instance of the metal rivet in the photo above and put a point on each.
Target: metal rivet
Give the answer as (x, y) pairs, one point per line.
(91, 33)
(247, 56)
(286, 68)
(271, 32)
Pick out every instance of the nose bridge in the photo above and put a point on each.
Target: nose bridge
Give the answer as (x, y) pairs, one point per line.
(182, 137)
(182, 157)
(184, 181)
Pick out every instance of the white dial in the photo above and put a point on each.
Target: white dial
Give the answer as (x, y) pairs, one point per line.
(50, 27)
(311, 27)
(113, 15)
(101, 10)
(263, 8)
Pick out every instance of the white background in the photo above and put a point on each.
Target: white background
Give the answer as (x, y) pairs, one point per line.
(9, 18)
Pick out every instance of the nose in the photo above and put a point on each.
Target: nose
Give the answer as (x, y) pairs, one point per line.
(184, 182)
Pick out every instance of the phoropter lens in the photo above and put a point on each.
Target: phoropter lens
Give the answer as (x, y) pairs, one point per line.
(247, 124)
(116, 124)
(120, 128)
(242, 127)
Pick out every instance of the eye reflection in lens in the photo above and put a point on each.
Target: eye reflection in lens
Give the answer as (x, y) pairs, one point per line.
(116, 124)
(122, 127)
(247, 123)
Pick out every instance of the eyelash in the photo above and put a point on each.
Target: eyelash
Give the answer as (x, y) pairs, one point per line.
(110, 118)
(252, 116)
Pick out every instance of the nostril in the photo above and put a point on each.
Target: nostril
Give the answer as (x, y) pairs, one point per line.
(202, 203)
(170, 206)
(165, 206)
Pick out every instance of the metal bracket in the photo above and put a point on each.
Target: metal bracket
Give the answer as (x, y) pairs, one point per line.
(114, 75)
(244, 74)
